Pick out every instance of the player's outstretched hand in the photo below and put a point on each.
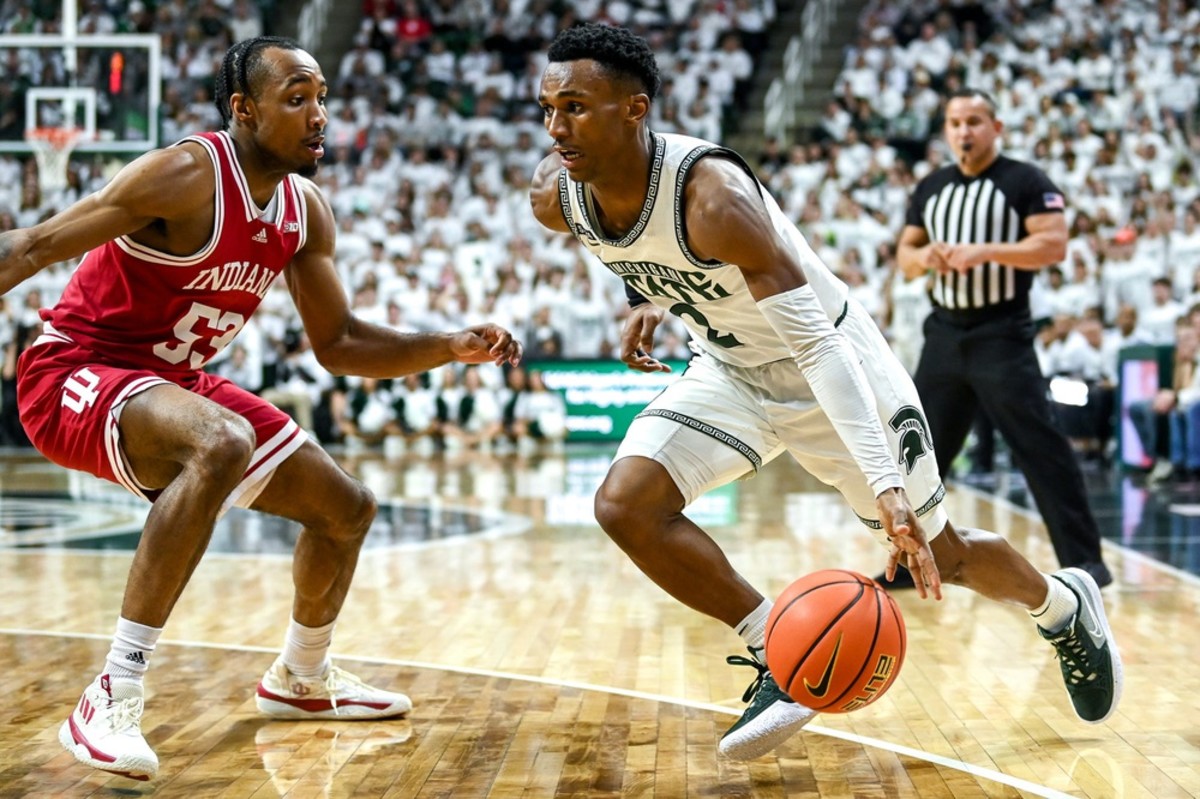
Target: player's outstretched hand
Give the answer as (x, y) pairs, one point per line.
(637, 339)
(908, 542)
(484, 343)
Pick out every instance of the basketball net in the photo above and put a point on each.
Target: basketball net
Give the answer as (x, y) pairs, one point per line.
(52, 147)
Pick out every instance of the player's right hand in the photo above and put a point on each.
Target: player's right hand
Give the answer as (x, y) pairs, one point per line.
(637, 339)
(486, 343)
(907, 541)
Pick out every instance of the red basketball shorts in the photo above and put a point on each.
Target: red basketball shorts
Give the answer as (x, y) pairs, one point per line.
(70, 400)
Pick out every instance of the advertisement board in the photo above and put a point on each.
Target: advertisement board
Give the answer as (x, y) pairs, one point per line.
(602, 396)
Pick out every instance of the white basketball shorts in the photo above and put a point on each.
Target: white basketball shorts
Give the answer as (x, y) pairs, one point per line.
(717, 423)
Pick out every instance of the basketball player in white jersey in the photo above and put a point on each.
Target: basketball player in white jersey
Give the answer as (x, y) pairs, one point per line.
(784, 362)
(181, 247)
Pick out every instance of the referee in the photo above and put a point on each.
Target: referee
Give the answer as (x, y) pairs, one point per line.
(983, 225)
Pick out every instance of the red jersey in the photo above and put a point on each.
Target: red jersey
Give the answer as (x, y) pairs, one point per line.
(166, 313)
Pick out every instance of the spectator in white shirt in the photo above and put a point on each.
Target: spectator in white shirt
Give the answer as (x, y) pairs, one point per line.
(441, 65)
(1158, 318)
(540, 417)
(468, 410)
(835, 121)
(931, 51)
(1178, 95)
(1125, 332)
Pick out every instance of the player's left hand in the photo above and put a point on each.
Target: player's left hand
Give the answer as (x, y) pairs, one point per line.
(907, 541)
(637, 339)
(484, 343)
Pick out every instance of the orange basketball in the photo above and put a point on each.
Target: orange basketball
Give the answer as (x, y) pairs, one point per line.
(835, 641)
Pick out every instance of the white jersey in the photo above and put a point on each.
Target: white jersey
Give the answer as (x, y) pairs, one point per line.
(653, 258)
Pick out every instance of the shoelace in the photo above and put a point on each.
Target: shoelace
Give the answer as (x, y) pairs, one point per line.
(125, 713)
(337, 679)
(1073, 655)
(742, 660)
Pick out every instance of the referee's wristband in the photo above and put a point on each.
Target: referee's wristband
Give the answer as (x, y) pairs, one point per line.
(635, 299)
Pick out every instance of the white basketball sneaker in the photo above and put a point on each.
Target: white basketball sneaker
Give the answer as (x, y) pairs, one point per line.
(336, 695)
(770, 719)
(104, 730)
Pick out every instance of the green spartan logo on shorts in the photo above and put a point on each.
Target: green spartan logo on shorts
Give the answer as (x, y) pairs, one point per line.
(915, 441)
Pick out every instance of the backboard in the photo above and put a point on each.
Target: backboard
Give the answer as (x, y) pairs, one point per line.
(108, 86)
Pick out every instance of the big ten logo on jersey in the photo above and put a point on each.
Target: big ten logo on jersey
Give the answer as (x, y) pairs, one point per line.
(679, 292)
(79, 391)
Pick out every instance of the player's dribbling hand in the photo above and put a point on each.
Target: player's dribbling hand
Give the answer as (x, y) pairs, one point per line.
(907, 541)
(637, 339)
(486, 343)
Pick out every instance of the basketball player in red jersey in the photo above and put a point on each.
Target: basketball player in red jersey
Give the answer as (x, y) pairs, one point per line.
(180, 249)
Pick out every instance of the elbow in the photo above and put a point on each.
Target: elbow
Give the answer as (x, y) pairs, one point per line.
(335, 369)
(331, 363)
(1054, 244)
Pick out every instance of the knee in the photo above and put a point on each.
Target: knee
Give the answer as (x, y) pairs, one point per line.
(632, 507)
(614, 510)
(957, 548)
(626, 516)
(952, 552)
(356, 516)
(225, 447)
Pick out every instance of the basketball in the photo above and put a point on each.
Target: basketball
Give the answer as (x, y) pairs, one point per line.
(835, 641)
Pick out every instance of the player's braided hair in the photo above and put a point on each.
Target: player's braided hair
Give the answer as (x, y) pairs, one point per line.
(616, 49)
(242, 70)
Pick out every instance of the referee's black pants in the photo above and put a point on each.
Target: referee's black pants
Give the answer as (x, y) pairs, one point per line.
(992, 365)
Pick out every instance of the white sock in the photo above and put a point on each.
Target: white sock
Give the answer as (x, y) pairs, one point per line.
(306, 649)
(753, 628)
(1059, 608)
(132, 646)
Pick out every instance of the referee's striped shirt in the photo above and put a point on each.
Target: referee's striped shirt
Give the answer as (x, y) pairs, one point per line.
(990, 207)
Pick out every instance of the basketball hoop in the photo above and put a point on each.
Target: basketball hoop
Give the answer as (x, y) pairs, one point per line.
(52, 147)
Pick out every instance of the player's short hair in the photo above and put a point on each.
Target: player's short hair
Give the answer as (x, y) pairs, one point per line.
(243, 70)
(975, 94)
(616, 49)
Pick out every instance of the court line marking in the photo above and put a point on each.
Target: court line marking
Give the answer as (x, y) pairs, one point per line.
(497, 524)
(1108, 543)
(862, 740)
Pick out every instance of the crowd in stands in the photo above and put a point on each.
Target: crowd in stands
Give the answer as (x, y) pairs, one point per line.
(434, 132)
(433, 135)
(1100, 95)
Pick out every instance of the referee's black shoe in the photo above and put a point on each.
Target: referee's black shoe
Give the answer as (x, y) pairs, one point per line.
(904, 579)
(1098, 571)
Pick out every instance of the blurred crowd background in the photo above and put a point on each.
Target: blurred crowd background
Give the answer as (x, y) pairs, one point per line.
(434, 132)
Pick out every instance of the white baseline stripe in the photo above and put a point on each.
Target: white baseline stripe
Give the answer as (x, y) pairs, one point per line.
(958, 765)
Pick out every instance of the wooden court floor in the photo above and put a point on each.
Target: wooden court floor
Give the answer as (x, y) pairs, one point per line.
(542, 664)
